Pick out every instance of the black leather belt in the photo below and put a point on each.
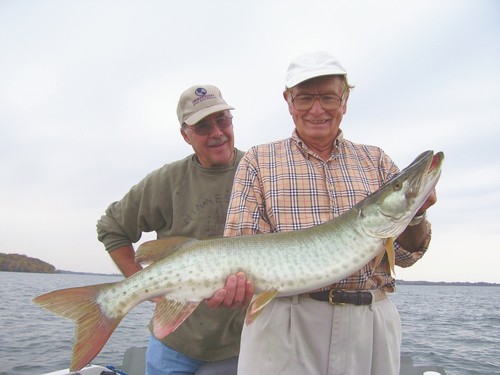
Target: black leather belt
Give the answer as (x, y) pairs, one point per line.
(342, 297)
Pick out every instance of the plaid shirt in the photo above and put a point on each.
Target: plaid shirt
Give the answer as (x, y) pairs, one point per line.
(282, 186)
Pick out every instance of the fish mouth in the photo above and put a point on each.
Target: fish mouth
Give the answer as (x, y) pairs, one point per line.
(433, 160)
(434, 168)
(436, 161)
(430, 162)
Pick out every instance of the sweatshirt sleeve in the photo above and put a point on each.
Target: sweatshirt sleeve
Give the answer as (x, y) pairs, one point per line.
(124, 221)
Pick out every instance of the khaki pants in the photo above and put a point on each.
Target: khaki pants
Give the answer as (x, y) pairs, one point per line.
(300, 336)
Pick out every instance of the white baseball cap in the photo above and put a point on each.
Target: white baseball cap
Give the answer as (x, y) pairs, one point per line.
(311, 65)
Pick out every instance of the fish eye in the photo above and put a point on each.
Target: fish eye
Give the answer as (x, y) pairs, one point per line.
(396, 186)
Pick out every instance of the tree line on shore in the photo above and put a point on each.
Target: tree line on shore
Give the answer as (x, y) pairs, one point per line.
(23, 263)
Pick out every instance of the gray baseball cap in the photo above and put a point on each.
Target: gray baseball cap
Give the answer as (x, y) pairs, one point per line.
(198, 102)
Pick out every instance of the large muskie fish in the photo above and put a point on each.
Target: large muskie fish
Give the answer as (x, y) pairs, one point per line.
(186, 271)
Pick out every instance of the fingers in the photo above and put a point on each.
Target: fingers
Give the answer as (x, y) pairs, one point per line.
(237, 292)
(155, 299)
(249, 292)
(244, 291)
(430, 201)
(216, 299)
(236, 297)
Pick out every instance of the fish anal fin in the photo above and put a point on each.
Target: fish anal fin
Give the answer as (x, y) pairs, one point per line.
(170, 314)
(259, 302)
(155, 250)
(93, 327)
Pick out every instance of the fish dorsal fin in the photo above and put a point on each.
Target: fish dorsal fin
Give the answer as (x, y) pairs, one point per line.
(258, 304)
(155, 250)
(169, 314)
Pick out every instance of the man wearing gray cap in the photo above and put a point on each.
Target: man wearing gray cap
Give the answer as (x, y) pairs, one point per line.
(350, 327)
(188, 197)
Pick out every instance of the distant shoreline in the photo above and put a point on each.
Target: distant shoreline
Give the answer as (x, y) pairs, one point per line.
(445, 283)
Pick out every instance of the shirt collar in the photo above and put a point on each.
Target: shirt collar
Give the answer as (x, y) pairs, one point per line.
(307, 153)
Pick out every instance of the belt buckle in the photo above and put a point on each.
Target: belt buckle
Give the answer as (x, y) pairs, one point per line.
(331, 299)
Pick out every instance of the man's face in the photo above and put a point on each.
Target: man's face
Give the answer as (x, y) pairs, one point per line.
(317, 124)
(212, 139)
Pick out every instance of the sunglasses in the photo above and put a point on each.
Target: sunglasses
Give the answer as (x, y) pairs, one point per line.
(205, 127)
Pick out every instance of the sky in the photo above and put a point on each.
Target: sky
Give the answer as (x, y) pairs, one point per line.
(89, 90)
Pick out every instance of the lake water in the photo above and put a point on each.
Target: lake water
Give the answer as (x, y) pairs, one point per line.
(456, 327)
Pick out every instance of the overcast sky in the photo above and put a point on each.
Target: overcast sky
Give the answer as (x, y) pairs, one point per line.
(89, 90)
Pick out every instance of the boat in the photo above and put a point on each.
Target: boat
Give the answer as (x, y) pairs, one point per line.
(134, 363)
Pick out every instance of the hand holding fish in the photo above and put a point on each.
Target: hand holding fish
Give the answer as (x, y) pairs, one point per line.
(431, 200)
(413, 236)
(237, 292)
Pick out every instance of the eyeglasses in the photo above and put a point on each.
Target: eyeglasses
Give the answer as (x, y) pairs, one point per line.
(304, 102)
(205, 127)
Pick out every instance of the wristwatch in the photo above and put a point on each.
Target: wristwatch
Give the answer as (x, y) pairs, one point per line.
(417, 220)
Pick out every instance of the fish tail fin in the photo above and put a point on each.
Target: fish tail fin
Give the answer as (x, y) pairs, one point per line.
(93, 327)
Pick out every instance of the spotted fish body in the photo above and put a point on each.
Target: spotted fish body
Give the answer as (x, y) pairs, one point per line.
(185, 271)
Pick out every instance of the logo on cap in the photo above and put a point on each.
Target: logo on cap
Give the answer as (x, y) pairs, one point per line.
(200, 91)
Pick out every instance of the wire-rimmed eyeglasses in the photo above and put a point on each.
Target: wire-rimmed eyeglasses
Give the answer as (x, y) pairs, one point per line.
(205, 127)
(330, 102)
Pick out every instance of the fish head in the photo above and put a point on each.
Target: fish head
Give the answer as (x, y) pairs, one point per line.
(387, 212)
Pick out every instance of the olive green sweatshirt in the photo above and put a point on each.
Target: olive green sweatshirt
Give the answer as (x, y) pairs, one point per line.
(181, 199)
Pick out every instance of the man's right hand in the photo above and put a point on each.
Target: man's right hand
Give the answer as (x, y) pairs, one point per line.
(237, 292)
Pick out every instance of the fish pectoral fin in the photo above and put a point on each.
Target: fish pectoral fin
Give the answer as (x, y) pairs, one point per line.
(391, 253)
(155, 250)
(169, 314)
(378, 259)
(258, 304)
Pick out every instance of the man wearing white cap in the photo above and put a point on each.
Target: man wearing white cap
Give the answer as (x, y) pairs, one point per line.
(188, 197)
(350, 327)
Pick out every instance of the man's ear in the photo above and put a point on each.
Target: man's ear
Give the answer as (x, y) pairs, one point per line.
(286, 95)
(344, 105)
(185, 136)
